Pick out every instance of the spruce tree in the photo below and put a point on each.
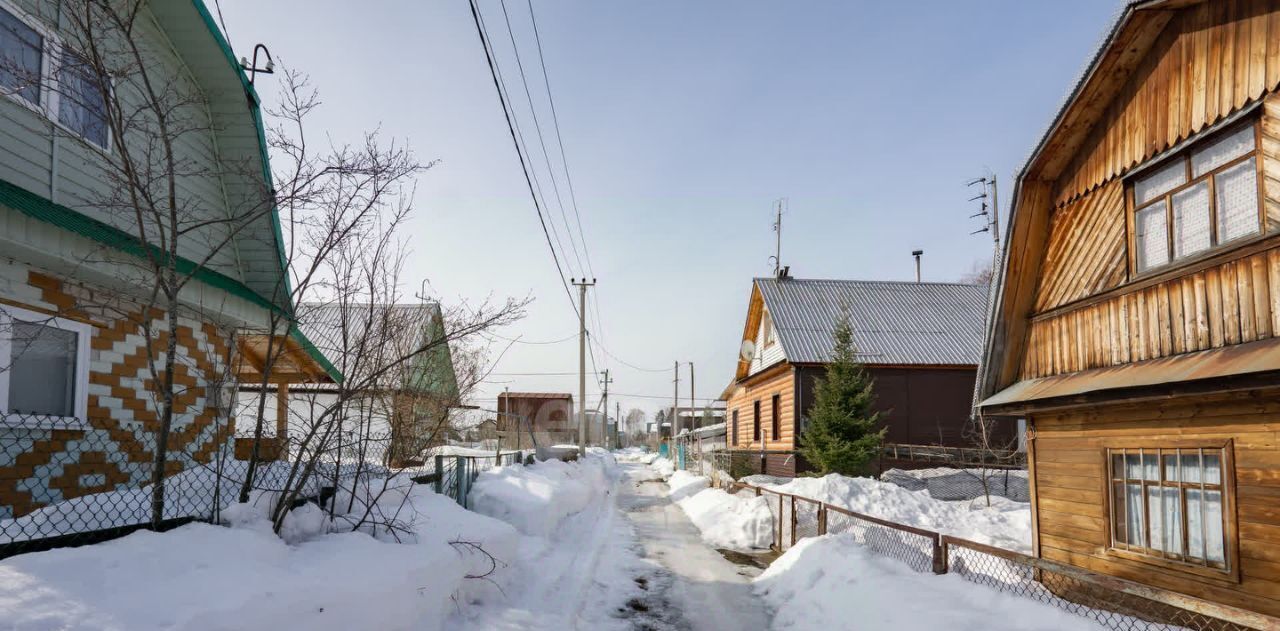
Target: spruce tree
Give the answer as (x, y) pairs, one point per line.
(842, 436)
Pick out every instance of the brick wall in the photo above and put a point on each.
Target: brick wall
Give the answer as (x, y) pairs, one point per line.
(112, 448)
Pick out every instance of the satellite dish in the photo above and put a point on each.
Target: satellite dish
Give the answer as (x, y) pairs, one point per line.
(747, 351)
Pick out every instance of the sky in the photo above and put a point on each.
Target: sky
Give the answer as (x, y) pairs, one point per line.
(682, 123)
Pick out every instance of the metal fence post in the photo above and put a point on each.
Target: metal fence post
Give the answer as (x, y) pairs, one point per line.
(439, 475)
(939, 555)
(463, 478)
(822, 519)
(794, 520)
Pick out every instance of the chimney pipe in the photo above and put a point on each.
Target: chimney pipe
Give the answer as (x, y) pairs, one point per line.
(917, 254)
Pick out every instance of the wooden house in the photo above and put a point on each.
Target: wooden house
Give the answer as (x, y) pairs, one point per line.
(79, 410)
(548, 416)
(1138, 308)
(914, 338)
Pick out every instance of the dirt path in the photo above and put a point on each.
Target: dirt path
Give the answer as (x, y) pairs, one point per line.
(696, 582)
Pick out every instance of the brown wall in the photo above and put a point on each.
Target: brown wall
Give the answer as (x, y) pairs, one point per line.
(1071, 501)
(1170, 75)
(921, 406)
(780, 381)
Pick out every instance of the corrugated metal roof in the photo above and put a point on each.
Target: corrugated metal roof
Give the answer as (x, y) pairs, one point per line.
(893, 322)
(399, 328)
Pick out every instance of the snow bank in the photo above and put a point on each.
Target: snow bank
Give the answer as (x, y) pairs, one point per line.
(946, 483)
(832, 582)
(1005, 524)
(639, 455)
(663, 466)
(203, 576)
(726, 521)
(683, 484)
(536, 498)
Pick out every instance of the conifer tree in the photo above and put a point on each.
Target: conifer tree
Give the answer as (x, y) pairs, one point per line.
(842, 435)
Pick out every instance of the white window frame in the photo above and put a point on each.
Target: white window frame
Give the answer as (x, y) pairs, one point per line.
(50, 64)
(84, 333)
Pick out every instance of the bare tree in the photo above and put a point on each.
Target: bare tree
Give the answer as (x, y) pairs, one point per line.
(341, 209)
(979, 273)
(994, 456)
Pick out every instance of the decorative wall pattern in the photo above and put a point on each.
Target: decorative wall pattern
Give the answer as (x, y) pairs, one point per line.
(112, 448)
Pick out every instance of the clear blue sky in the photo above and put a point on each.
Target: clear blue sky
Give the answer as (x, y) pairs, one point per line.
(683, 122)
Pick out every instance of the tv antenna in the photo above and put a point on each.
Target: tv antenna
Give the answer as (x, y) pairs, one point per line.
(780, 205)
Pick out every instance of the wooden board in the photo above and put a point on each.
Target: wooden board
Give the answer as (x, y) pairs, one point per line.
(1233, 302)
(1071, 491)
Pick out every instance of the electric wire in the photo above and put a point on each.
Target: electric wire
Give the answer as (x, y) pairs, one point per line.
(506, 111)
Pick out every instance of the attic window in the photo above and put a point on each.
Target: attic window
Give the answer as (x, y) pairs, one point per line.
(1199, 200)
(766, 329)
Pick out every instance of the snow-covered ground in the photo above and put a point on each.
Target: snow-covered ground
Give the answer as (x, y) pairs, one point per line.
(203, 576)
(743, 524)
(1005, 523)
(833, 582)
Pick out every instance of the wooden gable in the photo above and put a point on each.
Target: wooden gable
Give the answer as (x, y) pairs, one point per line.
(1070, 300)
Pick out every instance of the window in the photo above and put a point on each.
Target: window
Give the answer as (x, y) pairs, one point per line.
(1203, 198)
(81, 106)
(21, 58)
(44, 367)
(755, 432)
(735, 427)
(62, 86)
(766, 329)
(1168, 503)
(776, 424)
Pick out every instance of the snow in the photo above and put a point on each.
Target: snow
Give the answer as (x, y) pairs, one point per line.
(732, 522)
(663, 466)
(536, 498)
(827, 582)
(639, 455)
(1005, 524)
(947, 483)
(203, 576)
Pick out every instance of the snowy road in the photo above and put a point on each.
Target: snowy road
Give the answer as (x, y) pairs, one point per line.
(629, 561)
(712, 592)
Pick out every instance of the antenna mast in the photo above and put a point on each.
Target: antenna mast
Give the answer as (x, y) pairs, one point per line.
(777, 228)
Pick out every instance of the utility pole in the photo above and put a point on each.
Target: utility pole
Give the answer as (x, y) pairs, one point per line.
(604, 407)
(693, 403)
(582, 286)
(675, 405)
(617, 420)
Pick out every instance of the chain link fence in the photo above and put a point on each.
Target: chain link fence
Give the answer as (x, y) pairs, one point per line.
(1112, 602)
(65, 482)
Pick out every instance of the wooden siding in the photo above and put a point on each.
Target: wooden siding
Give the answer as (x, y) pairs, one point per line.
(781, 381)
(1086, 250)
(1071, 499)
(46, 160)
(766, 354)
(1211, 60)
(1233, 302)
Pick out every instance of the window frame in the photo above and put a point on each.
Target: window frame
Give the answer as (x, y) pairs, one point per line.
(735, 427)
(766, 329)
(84, 334)
(775, 420)
(756, 431)
(52, 49)
(1230, 574)
(1183, 154)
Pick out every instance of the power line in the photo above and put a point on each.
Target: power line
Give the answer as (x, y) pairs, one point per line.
(517, 340)
(564, 161)
(624, 363)
(533, 111)
(524, 168)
